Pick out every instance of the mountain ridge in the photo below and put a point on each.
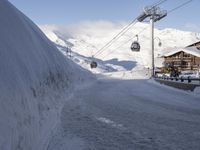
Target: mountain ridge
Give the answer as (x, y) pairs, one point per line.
(87, 38)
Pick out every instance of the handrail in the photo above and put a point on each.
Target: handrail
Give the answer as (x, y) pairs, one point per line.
(182, 79)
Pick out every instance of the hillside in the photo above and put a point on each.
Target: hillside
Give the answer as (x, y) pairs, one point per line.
(88, 37)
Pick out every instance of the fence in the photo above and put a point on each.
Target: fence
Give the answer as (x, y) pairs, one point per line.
(184, 83)
(181, 79)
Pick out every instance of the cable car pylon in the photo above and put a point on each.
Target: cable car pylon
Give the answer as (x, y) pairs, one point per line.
(154, 14)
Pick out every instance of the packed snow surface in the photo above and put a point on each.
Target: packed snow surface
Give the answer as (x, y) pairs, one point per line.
(139, 114)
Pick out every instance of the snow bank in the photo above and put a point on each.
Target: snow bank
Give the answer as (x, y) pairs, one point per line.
(34, 75)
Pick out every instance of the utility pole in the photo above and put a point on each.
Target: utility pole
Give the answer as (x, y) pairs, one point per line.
(154, 14)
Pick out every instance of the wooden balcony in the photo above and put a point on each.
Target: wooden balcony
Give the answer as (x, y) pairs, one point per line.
(187, 59)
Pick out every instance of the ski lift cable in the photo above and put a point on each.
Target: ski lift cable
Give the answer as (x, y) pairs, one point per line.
(111, 44)
(125, 42)
(172, 10)
(180, 6)
(121, 33)
(158, 3)
(124, 30)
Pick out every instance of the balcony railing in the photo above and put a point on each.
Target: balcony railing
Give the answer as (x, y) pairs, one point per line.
(179, 59)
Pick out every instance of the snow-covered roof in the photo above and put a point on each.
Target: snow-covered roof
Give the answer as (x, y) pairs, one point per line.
(190, 50)
(194, 44)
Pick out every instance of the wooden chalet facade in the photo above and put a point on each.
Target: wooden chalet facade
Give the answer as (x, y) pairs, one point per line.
(187, 59)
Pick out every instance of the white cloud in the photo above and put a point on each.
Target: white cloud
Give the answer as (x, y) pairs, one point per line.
(86, 27)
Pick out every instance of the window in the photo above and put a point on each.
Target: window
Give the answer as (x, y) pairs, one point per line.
(184, 64)
(185, 55)
(177, 64)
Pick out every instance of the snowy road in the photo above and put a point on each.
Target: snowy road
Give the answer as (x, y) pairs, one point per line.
(129, 115)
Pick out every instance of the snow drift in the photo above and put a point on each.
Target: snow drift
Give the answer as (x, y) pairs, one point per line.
(33, 75)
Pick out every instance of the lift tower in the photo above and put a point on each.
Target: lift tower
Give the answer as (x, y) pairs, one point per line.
(152, 14)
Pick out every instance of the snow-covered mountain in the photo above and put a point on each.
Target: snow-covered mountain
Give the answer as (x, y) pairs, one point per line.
(88, 37)
(33, 74)
(123, 114)
(48, 103)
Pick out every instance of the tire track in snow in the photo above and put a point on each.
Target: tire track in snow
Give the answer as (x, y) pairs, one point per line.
(96, 114)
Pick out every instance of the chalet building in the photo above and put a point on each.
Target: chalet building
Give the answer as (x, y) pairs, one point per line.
(183, 59)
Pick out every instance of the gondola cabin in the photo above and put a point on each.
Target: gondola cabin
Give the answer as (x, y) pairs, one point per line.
(135, 46)
(93, 64)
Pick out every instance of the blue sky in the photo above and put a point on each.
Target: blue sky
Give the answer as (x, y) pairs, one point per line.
(76, 11)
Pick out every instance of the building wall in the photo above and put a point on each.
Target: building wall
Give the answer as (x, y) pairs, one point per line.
(183, 61)
(197, 60)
